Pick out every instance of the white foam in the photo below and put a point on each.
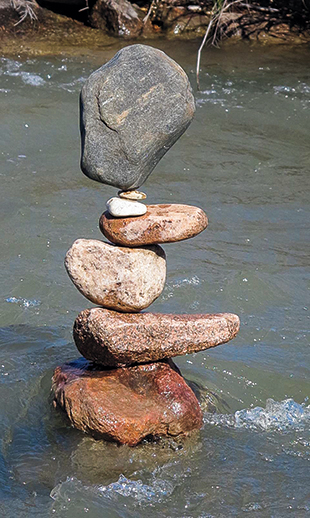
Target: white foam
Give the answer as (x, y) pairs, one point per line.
(72, 489)
(23, 302)
(137, 490)
(277, 416)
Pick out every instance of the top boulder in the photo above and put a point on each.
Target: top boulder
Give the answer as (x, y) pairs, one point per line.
(133, 109)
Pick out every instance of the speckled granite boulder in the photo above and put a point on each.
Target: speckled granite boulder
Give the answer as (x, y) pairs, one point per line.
(116, 339)
(126, 405)
(160, 224)
(133, 109)
(125, 279)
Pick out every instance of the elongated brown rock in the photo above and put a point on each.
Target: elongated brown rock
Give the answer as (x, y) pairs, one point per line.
(160, 224)
(120, 278)
(126, 405)
(116, 339)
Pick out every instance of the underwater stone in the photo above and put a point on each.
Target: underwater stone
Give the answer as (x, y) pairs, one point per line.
(125, 279)
(133, 109)
(116, 339)
(126, 405)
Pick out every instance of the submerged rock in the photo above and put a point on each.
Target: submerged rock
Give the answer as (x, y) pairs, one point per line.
(120, 208)
(160, 224)
(133, 109)
(117, 339)
(126, 405)
(125, 279)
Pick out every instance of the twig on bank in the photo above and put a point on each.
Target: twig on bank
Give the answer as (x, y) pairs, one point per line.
(152, 5)
(219, 8)
(84, 8)
(24, 8)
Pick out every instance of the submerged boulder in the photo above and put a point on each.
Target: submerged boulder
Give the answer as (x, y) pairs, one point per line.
(133, 109)
(126, 405)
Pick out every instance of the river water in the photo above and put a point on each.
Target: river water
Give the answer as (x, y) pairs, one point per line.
(245, 160)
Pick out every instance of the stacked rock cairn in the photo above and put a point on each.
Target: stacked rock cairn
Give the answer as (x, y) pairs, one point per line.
(126, 387)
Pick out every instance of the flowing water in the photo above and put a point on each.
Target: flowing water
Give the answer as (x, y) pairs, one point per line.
(245, 160)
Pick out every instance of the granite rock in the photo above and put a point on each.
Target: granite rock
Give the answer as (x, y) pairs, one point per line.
(119, 208)
(125, 279)
(116, 339)
(160, 224)
(126, 405)
(133, 109)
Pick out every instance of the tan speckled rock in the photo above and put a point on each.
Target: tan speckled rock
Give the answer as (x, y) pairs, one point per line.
(116, 339)
(119, 278)
(160, 224)
(126, 405)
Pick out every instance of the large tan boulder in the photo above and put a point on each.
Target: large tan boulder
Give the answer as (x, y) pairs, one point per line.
(125, 279)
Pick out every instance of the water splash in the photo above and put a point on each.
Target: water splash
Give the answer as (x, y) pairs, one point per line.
(172, 286)
(277, 416)
(23, 302)
(137, 490)
(72, 492)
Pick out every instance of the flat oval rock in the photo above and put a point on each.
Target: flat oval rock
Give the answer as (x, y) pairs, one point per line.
(125, 279)
(126, 405)
(115, 339)
(119, 208)
(133, 109)
(160, 224)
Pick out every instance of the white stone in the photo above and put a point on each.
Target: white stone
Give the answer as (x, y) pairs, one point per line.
(121, 208)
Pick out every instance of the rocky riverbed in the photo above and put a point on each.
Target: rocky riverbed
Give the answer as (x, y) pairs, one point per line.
(45, 30)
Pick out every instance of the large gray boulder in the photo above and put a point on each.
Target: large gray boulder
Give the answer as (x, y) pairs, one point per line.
(133, 109)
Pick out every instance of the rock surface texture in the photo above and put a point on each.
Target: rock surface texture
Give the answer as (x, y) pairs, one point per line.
(160, 224)
(125, 279)
(126, 405)
(133, 109)
(116, 339)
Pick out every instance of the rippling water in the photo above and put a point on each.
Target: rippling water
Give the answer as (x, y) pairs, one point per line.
(245, 160)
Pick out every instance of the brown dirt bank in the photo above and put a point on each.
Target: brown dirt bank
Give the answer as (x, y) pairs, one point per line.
(49, 33)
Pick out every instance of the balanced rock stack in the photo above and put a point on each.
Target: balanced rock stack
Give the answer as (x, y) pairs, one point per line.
(126, 387)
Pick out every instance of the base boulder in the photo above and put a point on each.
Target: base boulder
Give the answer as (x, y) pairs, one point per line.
(126, 405)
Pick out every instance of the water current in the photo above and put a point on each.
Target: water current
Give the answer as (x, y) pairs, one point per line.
(245, 160)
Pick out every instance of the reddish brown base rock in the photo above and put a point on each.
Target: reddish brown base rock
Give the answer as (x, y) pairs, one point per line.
(160, 224)
(126, 405)
(117, 339)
